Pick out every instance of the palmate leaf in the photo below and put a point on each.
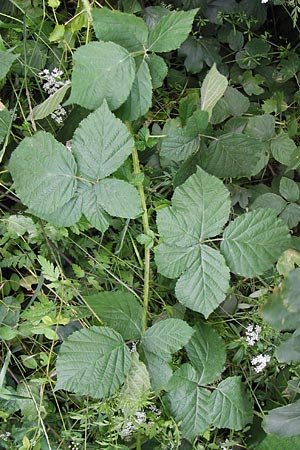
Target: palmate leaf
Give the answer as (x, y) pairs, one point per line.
(254, 241)
(124, 29)
(93, 362)
(118, 310)
(171, 30)
(102, 70)
(229, 405)
(189, 402)
(44, 173)
(101, 144)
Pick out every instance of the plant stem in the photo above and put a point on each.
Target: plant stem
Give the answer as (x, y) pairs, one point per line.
(146, 229)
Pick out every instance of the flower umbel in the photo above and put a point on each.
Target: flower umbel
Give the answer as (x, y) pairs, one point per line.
(252, 334)
(260, 362)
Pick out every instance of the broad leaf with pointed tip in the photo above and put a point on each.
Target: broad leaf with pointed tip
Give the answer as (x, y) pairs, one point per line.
(92, 208)
(200, 209)
(229, 405)
(254, 241)
(101, 144)
(102, 70)
(212, 89)
(93, 362)
(189, 402)
(158, 70)
(283, 421)
(170, 32)
(44, 173)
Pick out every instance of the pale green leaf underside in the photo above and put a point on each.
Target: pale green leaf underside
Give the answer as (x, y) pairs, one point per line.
(254, 241)
(124, 29)
(118, 198)
(102, 70)
(44, 173)
(206, 351)
(212, 89)
(229, 405)
(118, 310)
(205, 199)
(203, 286)
(93, 362)
(92, 209)
(172, 29)
(101, 144)
(233, 155)
(140, 98)
(189, 402)
(50, 104)
(283, 421)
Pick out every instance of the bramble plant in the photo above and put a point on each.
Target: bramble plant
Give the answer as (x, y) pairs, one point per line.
(152, 178)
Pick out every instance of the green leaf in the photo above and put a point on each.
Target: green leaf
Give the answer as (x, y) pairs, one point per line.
(93, 362)
(171, 31)
(159, 369)
(269, 200)
(291, 291)
(140, 98)
(101, 144)
(291, 215)
(136, 387)
(188, 402)
(187, 106)
(6, 59)
(261, 127)
(44, 173)
(158, 70)
(212, 89)
(173, 260)
(50, 272)
(283, 149)
(283, 421)
(237, 103)
(176, 146)
(196, 124)
(92, 209)
(167, 336)
(50, 104)
(118, 198)
(289, 350)
(124, 29)
(66, 215)
(277, 314)
(254, 241)
(289, 189)
(102, 70)
(229, 405)
(118, 310)
(200, 51)
(233, 155)
(206, 351)
(272, 442)
(203, 286)
(5, 120)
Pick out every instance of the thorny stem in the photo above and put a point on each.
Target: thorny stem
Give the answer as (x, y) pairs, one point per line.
(137, 170)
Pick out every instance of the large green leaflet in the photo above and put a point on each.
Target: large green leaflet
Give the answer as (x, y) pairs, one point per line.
(254, 241)
(103, 70)
(200, 209)
(118, 310)
(44, 173)
(93, 362)
(283, 421)
(171, 31)
(101, 144)
(124, 29)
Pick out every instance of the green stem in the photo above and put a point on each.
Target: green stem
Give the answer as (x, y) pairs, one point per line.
(146, 229)
(138, 442)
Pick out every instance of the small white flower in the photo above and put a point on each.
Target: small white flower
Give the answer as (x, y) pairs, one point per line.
(128, 430)
(133, 347)
(69, 145)
(140, 417)
(260, 362)
(264, 1)
(252, 334)
(59, 114)
(52, 80)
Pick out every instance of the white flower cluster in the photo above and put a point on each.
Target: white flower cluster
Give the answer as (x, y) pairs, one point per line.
(59, 114)
(74, 445)
(136, 420)
(260, 362)
(52, 80)
(5, 435)
(252, 334)
(264, 1)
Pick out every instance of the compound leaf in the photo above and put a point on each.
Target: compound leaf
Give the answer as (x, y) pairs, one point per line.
(92, 209)
(118, 310)
(204, 343)
(124, 29)
(229, 406)
(254, 241)
(102, 70)
(101, 144)
(93, 362)
(172, 29)
(189, 402)
(44, 173)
